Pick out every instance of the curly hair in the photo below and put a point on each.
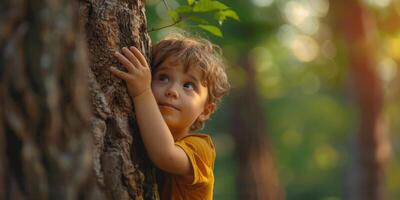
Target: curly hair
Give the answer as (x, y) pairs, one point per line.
(199, 52)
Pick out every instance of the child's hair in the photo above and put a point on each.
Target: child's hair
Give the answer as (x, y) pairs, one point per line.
(195, 52)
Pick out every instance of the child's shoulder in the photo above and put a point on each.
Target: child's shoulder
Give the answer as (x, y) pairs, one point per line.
(198, 142)
(197, 138)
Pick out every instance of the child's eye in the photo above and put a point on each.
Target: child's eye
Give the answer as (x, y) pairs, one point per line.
(163, 78)
(189, 85)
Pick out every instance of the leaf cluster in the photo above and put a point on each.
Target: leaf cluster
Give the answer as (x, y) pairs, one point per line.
(195, 12)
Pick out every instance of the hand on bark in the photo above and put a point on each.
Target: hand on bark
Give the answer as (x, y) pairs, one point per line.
(138, 77)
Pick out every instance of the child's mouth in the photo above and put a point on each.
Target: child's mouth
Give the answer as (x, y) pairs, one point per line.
(168, 106)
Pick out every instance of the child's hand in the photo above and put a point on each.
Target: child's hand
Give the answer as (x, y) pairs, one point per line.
(138, 77)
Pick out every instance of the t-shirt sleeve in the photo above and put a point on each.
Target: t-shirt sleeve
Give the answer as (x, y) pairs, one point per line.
(201, 153)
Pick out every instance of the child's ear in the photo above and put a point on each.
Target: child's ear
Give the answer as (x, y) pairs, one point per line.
(209, 108)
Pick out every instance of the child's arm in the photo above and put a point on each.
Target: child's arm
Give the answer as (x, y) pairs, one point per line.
(156, 135)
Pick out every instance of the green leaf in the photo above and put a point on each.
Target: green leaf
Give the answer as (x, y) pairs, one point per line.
(232, 14)
(183, 9)
(190, 2)
(174, 15)
(198, 20)
(212, 29)
(222, 15)
(209, 5)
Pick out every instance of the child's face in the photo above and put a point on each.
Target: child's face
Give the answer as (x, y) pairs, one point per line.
(180, 95)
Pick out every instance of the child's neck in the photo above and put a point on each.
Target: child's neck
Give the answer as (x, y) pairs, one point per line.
(178, 134)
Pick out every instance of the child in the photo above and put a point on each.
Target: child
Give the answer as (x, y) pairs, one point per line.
(187, 81)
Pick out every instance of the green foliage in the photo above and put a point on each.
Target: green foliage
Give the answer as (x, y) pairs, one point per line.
(212, 29)
(190, 2)
(310, 113)
(221, 16)
(196, 12)
(174, 15)
(209, 5)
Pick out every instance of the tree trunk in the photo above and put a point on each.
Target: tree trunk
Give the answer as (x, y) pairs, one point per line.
(122, 167)
(50, 139)
(373, 146)
(45, 143)
(257, 175)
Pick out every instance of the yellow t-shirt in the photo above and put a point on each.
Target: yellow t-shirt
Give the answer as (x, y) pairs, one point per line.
(201, 153)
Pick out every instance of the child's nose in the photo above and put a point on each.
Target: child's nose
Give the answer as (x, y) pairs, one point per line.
(172, 91)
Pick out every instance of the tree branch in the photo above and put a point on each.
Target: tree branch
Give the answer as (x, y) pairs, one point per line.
(173, 24)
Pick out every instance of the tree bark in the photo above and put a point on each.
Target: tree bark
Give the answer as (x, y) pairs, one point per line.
(52, 144)
(122, 167)
(373, 149)
(257, 174)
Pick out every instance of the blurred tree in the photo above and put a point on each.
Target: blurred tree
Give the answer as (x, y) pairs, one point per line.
(257, 175)
(359, 32)
(45, 143)
(45, 140)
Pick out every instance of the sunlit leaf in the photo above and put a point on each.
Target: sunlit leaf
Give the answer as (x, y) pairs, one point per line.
(211, 29)
(183, 9)
(174, 15)
(208, 5)
(232, 14)
(190, 2)
(222, 15)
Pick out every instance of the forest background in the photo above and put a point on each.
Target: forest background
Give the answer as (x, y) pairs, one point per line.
(298, 57)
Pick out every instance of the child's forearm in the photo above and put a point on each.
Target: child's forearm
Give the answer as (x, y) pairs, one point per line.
(155, 133)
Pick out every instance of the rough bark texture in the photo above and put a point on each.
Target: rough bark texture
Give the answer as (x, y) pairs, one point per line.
(257, 175)
(45, 143)
(122, 168)
(372, 145)
(47, 129)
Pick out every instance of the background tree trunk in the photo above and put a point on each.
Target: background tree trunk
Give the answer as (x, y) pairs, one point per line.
(46, 125)
(257, 174)
(120, 162)
(372, 144)
(45, 143)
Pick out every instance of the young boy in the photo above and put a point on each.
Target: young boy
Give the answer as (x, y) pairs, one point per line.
(187, 81)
